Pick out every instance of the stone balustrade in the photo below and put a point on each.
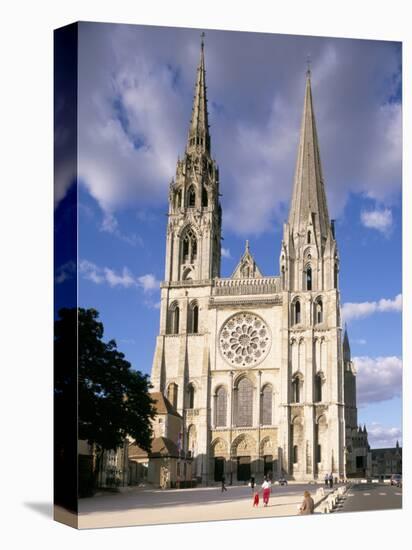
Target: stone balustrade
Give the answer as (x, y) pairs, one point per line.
(234, 287)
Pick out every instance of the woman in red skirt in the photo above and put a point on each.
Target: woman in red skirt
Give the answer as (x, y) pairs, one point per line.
(266, 491)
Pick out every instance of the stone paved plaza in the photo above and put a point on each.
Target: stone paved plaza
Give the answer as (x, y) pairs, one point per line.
(140, 506)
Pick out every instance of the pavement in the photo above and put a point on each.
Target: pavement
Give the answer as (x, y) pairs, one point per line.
(371, 496)
(147, 506)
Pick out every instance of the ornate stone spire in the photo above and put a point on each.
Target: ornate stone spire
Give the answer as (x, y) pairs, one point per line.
(308, 192)
(199, 137)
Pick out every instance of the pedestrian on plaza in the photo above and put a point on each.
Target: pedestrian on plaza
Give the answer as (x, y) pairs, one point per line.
(256, 499)
(308, 506)
(326, 479)
(331, 480)
(224, 484)
(252, 483)
(266, 486)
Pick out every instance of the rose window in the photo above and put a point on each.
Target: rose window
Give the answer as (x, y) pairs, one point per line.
(244, 340)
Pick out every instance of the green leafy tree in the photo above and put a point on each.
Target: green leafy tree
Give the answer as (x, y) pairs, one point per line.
(113, 399)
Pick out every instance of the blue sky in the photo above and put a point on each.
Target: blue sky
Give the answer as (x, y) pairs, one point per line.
(135, 94)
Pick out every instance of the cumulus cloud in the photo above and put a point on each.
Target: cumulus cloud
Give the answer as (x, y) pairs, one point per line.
(110, 225)
(135, 94)
(65, 272)
(125, 279)
(381, 220)
(226, 253)
(148, 282)
(378, 379)
(91, 272)
(358, 310)
(380, 436)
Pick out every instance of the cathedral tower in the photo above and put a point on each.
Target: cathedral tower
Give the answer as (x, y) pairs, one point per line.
(181, 363)
(194, 219)
(313, 374)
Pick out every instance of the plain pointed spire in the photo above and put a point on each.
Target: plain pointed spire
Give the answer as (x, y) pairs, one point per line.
(346, 346)
(309, 196)
(199, 136)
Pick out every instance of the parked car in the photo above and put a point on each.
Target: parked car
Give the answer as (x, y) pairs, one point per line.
(396, 479)
(282, 481)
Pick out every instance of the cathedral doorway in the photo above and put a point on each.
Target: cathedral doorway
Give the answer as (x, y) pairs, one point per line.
(268, 466)
(243, 468)
(219, 468)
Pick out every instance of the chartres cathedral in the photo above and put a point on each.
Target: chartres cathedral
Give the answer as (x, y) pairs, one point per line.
(256, 365)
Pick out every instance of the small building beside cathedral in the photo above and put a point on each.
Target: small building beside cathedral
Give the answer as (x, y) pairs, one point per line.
(256, 365)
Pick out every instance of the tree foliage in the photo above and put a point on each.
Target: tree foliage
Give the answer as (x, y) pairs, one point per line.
(113, 399)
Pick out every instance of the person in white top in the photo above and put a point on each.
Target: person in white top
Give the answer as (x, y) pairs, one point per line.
(266, 486)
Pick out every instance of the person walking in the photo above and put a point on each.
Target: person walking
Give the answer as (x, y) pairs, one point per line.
(331, 480)
(252, 483)
(326, 479)
(266, 486)
(256, 499)
(224, 484)
(308, 506)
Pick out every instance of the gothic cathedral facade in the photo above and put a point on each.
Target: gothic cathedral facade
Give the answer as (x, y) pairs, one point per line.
(256, 365)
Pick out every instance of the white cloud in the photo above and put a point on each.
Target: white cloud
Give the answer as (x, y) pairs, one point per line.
(65, 272)
(125, 279)
(135, 93)
(381, 220)
(98, 275)
(226, 253)
(110, 225)
(148, 282)
(380, 436)
(378, 379)
(91, 271)
(360, 341)
(358, 310)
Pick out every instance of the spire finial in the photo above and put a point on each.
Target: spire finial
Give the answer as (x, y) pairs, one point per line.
(202, 40)
(247, 246)
(308, 63)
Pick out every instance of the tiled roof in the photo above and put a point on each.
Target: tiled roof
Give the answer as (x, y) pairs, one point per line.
(162, 404)
(161, 446)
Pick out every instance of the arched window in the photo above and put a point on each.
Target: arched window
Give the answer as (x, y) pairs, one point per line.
(172, 391)
(283, 277)
(172, 326)
(204, 197)
(318, 388)
(191, 197)
(296, 311)
(297, 384)
(193, 319)
(335, 276)
(175, 320)
(309, 278)
(295, 454)
(266, 404)
(189, 246)
(221, 407)
(191, 396)
(195, 326)
(318, 311)
(244, 403)
(309, 237)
